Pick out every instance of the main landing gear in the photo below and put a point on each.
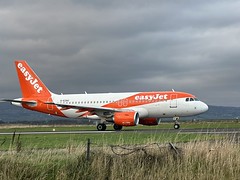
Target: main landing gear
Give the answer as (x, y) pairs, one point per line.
(103, 127)
(117, 127)
(177, 124)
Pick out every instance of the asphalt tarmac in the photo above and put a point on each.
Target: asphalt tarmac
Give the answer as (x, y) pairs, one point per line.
(179, 131)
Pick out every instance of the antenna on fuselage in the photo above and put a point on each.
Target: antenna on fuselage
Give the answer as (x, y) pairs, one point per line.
(85, 92)
(173, 90)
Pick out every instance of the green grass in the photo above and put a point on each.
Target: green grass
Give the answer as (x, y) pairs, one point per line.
(127, 136)
(196, 160)
(60, 141)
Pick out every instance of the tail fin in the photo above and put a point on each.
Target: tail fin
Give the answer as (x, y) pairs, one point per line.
(30, 83)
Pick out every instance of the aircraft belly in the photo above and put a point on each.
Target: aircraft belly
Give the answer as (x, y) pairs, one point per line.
(71, 113)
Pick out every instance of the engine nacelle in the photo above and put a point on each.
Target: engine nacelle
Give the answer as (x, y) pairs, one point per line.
(149, 121)
(126, 118)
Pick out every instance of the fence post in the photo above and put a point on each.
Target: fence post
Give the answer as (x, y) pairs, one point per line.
(88, 149)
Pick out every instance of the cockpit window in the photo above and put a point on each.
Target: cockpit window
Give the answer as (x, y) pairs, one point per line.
(191, 99)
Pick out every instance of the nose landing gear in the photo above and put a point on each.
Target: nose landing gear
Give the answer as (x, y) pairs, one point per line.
(177, 124)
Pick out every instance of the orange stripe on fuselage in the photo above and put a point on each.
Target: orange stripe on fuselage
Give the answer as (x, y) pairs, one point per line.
(144, 98)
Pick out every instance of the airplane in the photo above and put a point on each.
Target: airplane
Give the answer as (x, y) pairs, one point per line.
(121, 109)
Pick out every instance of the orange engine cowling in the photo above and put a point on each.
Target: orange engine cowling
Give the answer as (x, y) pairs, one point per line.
(126, 118)
(149, 121)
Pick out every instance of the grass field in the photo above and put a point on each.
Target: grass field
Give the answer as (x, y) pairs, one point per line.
(127, 136)
(196, 160)
(56, 141)
(122, 155)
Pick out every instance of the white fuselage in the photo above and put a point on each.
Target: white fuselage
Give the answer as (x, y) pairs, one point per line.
(146, 107)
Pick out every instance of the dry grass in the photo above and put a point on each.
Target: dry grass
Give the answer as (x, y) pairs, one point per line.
(194, 160)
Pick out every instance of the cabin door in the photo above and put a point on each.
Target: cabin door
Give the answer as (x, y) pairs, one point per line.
(173, 101)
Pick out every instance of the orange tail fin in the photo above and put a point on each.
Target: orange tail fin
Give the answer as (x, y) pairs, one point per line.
(30, 83)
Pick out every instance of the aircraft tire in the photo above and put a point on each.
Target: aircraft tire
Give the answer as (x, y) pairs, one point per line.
(117, 127)
(176, 126)
(101, 127)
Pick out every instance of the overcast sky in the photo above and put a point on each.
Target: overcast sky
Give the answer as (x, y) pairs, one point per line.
(124, 45)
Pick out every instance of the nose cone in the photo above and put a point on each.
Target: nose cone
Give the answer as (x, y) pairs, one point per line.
(204, 107)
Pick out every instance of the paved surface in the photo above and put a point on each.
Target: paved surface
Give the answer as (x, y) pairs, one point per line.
(180, 131)
(58, 132)
(197, 131)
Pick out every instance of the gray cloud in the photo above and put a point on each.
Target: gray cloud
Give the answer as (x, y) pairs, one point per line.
(112, 46)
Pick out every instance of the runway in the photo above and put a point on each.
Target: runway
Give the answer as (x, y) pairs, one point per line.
(180, 131)
(56, 132)
(196, 131)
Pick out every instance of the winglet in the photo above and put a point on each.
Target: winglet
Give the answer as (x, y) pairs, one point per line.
(31, 85)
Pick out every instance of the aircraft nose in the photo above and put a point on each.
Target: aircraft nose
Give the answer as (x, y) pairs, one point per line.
(204, 107)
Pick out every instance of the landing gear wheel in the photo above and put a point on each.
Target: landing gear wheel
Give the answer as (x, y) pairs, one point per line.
(176, 126)
(101, 127)
(117, 127)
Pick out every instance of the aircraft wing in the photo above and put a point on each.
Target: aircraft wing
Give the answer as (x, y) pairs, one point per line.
(86, 108)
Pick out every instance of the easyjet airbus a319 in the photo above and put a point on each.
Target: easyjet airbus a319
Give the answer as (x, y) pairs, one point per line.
(121, 109)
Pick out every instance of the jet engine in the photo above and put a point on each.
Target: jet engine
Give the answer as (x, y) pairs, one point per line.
(126, 118)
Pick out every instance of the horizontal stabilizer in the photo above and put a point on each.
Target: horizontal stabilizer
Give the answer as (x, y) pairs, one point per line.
(19, 101)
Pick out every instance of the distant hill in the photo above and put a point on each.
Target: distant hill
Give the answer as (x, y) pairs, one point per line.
(14, 114)
(221, 112)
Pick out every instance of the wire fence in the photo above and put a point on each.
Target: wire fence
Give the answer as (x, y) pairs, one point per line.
(118, 150)
(121, 150)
